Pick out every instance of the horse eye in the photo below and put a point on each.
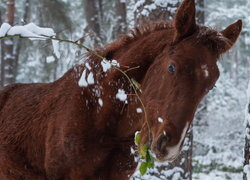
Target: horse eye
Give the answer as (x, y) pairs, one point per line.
(171, 68)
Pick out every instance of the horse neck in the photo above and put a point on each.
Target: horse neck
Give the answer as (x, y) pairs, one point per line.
(141, 54)
(114, 116)
(138, 55)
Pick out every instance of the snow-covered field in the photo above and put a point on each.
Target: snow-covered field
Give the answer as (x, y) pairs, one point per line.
(217, 175)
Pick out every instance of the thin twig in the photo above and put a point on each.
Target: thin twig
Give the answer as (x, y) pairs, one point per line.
(132, 68)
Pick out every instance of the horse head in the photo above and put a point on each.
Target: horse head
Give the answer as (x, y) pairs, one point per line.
(179, 77)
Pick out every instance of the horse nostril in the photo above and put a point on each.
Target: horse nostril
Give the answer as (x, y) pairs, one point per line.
(162, 142)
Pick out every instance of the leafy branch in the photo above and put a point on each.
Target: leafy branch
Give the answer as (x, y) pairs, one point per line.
(146, 158)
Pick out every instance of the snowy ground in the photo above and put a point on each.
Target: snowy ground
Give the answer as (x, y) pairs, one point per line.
(217, 175)
(219, 141)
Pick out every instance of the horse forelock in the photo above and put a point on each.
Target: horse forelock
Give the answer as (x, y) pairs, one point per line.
(210, 38)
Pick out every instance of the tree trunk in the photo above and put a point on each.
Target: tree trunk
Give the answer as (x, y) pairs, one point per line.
(92, 17)
(2, 55)
(246, 173)
(26, 18)
(9, 58)
(200, 12)
(234, 66)
(182, 166)
(100, 5)
(145, 12)
(121, 14)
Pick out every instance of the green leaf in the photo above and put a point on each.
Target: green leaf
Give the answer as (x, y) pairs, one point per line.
(136, 84)
(150, 160)
(143, 168)
(143, 151)
(137, 138)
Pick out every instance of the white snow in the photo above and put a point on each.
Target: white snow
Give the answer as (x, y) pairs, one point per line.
(100, 101)
(138, 110)
(82, 81)
(137, 132)
(205, 70)
(247, 170)
(160, 120)
(247, 133)
(90, 78)
(247, 115)
(8, 42)
(217, 175)
(22, 31)
(39, 30)
(50, 59)
(31, 31)
(55, 45)
(105, 65)
(88, 66)
(5, 27)
(132, 151)
(121, 95)
(115, 63)
(149, 7)
(85, 80)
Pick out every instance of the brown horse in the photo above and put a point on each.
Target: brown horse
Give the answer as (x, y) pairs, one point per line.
(82, 126)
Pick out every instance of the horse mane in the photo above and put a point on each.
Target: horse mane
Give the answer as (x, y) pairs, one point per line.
(203, 35)
(133, 35)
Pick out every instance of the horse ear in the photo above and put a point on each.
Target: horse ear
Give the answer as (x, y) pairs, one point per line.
(184, 22)
(231, 33)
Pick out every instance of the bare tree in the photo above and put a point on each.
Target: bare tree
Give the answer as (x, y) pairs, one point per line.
(2, 55)
(8, 61)
(17, 48)
(121, 21)
(93, 23)
(200, 12)
(247, 139)
(100, 5)
(145, 12)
